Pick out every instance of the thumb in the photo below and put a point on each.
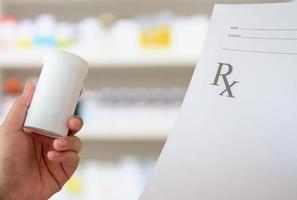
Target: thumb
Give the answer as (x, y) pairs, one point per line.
(16, 116)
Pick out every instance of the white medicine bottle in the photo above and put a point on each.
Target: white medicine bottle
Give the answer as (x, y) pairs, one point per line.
(57, 93)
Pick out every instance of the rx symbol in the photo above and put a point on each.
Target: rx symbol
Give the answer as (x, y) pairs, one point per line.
(222, 75)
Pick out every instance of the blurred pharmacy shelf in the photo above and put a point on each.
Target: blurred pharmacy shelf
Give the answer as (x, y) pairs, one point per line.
(143, 132)
(129, 123)
(142, 55)
(141, 1)
(33, 59)
(97, 1)
(124, 114)
(121, 7)
(147, 132)
(135, 130)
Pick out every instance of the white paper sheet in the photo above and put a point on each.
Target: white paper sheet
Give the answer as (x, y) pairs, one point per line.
(242, 144)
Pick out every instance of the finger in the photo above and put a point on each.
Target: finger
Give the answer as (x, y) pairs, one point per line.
(67, 158)
(75, 123)
(70, 143)
(16, 116)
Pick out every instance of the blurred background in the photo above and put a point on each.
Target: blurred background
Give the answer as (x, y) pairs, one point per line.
(142, 55)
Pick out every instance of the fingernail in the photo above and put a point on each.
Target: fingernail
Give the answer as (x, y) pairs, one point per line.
(55, 155)
(26, 89)
(27, 94)
(78, 121)
(62, 143)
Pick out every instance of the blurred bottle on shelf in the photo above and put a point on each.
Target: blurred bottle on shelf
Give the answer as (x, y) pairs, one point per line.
(124, 35)
(188, 34)
(12, 86)
(65, 35)
(7, 32)
(45, 26)
(90, 34)
(181, 36)
(25, 34)
(156, 31)
(74, 185)
(107, 20)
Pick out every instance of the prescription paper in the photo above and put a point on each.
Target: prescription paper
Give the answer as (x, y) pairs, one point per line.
(236, 135)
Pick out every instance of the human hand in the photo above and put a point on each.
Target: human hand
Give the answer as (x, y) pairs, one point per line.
(32, 166)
